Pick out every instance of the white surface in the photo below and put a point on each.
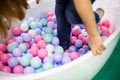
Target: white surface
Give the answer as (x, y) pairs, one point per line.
(85, 67)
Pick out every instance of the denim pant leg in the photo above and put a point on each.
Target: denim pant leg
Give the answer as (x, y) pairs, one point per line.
(63, 26)
(72, 15)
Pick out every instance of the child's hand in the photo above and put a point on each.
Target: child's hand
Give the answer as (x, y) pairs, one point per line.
(96, 44)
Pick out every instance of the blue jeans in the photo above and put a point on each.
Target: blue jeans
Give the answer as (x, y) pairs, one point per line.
(66, 15)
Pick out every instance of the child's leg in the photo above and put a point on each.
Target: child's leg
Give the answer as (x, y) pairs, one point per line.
(63, 26)
(72, 15)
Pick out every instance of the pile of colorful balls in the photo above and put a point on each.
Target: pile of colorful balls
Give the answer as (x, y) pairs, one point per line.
(34, 46)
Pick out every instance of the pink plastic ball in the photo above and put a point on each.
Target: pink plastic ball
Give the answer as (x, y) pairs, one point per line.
(10, 41)
(34, 44)
(1, 52)
(6, 69)
(106, 32)
(75, 32)
(106, 23)
(18, 69)
(34, 50)
(49, 18)
(37, 38)
(1, 65)
(5, 58)
(41, 44)
(49, 13)
(85, 40)
(74, 55)
(42, 53)
(3, 47)
(73, 39)
(16, 31)
(81, 36)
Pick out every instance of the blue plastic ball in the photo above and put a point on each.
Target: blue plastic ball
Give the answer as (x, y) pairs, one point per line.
(47, 66)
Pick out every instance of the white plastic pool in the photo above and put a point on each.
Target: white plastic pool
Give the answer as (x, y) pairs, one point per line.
(85, 67)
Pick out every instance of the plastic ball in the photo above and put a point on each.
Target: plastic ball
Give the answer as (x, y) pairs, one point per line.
(43, 21)
(49, 13)
(9, 41)
(11, 46)
(74, 55)
(26, 37)
(27, 44)
(51, 24)
(49, 48)
(35, 62)
(81, 36)
(18, 69)
(19, 39)
(3, 47)
(86, 47)
(57, 57)
(55, 41)
(16, 31)
(34, 50)
(47, 66)
(58, 50)
(38, 31)
(43, 15)
(85, 40)
(32, 33)
(17, 52)
(49, 18)
(55, 32)
(48, 59)
(31, 19)
(54, 18)
(33, 25)
(1, 65)
(6, 69)
(12, 62)
(27, 22)
(48, 30)
(42, 53)
(73, 39)
(82, 26)
(1, 53)
(81, 51)
(24, 27)
(66, 59)
(41, 44)
(28, 70)
(106, 32)
(75, 32)
(37, 38)
(4, 58)
(78, 43)
(39, 25)
(23, 47)
(25, 61)
(72, 48)
(106, 23)
(48, 37)
(40, 69)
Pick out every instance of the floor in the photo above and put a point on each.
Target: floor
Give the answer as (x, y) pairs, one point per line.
(111, 70)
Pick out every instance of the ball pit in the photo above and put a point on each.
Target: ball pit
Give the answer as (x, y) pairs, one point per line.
(82, 68)
(43, 47)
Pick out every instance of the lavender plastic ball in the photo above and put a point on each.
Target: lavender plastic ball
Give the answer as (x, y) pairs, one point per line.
(55, 41)
(48, 59)
(66, 59)
(17, 52)
(78, 43)
(72, 48)
(57, 57)
(26, 37)
(81, 51)
(19, 39)
(28, 70)
(12, 62)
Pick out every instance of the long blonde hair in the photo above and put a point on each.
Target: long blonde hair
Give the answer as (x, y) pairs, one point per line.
(10, 9)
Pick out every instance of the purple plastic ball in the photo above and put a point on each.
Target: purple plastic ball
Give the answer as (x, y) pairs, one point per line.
(28, 70)
(78, 43)
(12, 62)
(55, 41)
(57, 57)
(66, 59)
(81, 51)
(72, 48)
(17, 52)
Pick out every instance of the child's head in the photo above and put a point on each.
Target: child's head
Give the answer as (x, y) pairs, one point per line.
(10, 9)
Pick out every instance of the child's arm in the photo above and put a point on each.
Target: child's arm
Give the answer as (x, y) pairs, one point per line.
(84, 9)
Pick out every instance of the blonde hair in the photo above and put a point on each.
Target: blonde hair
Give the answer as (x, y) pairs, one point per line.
(10, 9)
